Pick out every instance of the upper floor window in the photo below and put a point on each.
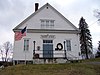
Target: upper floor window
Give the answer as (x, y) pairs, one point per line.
(47, 24)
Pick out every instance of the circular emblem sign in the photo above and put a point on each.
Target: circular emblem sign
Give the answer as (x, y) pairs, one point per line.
(59, 46)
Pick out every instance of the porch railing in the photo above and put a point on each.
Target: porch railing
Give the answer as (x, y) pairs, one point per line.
(58, 54)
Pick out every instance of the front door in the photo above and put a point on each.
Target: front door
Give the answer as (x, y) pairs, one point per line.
(47, 49)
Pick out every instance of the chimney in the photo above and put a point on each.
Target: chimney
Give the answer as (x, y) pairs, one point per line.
(36, 6)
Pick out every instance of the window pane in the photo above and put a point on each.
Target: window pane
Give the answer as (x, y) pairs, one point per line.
(42, 24)
(47, 24)
(52, 23)
(47, 41)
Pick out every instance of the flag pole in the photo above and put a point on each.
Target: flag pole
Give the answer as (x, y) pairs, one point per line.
(25, 57)
(25, 49)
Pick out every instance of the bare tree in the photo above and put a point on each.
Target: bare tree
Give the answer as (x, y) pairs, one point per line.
(97, 14)
(1, 53)
(7, 49)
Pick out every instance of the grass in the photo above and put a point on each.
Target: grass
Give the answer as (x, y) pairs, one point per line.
(92, 60)
(83, 68)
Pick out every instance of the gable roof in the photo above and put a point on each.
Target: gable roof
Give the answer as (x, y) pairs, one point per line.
(47, 4)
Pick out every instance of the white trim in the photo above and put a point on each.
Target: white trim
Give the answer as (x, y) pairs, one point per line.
(70, 45)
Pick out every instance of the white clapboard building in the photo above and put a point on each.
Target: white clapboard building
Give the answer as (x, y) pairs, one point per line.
(50, 37)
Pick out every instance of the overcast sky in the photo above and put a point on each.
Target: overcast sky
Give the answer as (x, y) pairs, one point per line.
(12, 12)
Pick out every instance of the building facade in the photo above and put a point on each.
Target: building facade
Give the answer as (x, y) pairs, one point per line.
(50, 37)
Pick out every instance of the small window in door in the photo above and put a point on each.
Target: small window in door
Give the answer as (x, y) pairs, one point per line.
(47, 41)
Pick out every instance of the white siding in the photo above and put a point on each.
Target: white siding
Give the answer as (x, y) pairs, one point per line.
(19, 53)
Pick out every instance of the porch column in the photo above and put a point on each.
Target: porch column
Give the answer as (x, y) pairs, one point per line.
(65, 51)
(34, 47)
(34, 51)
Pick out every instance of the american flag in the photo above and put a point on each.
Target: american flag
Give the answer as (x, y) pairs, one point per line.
(19, 35)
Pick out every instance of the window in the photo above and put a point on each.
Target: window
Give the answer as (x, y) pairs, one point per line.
(68, 45)
(26, 44)
(52, 23)
(47, 41)
(42, 23)
(47, 24)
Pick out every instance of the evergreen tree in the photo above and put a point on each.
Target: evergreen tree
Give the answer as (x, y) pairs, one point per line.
(98, 51)
(99, 46)
(85, 38)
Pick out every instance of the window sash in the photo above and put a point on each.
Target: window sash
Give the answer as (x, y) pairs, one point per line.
(52, 23)
(26, 44)
(47, 24)
(42, 24)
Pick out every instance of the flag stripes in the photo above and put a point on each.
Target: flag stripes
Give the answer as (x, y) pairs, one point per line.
(19, 35)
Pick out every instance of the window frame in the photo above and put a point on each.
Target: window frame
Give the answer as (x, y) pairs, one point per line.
(26, 45)
(68, 45)
(47, 41)
(47, 23)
